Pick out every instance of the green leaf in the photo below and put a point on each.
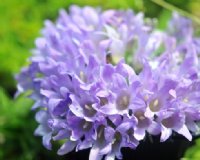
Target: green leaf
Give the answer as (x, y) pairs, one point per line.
(163, 19)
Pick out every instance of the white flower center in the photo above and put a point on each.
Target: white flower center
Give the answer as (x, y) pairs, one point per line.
(155, 105)
(123, 101)
(83, 76)
(89, 110)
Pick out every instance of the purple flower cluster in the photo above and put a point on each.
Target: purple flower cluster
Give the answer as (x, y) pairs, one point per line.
(105, 79)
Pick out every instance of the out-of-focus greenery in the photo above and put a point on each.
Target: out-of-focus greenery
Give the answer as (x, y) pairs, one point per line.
(20, 24)
(193, 153)
(17, 126)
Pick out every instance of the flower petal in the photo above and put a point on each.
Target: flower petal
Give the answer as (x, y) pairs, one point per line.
(67, 147)
(108, 109)
(139, 133)
(94, 154)
(110, 157)
(46, 141)
(165, 134)
(185, 132)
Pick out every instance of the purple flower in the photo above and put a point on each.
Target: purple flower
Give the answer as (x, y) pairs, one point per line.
(103, 79)
(179, 25)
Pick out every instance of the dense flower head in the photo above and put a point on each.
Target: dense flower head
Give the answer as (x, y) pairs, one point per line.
(105, 79)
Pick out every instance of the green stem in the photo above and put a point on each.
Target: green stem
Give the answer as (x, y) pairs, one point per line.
(174, 8)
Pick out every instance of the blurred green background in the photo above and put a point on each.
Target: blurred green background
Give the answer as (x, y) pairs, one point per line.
(20, 23)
